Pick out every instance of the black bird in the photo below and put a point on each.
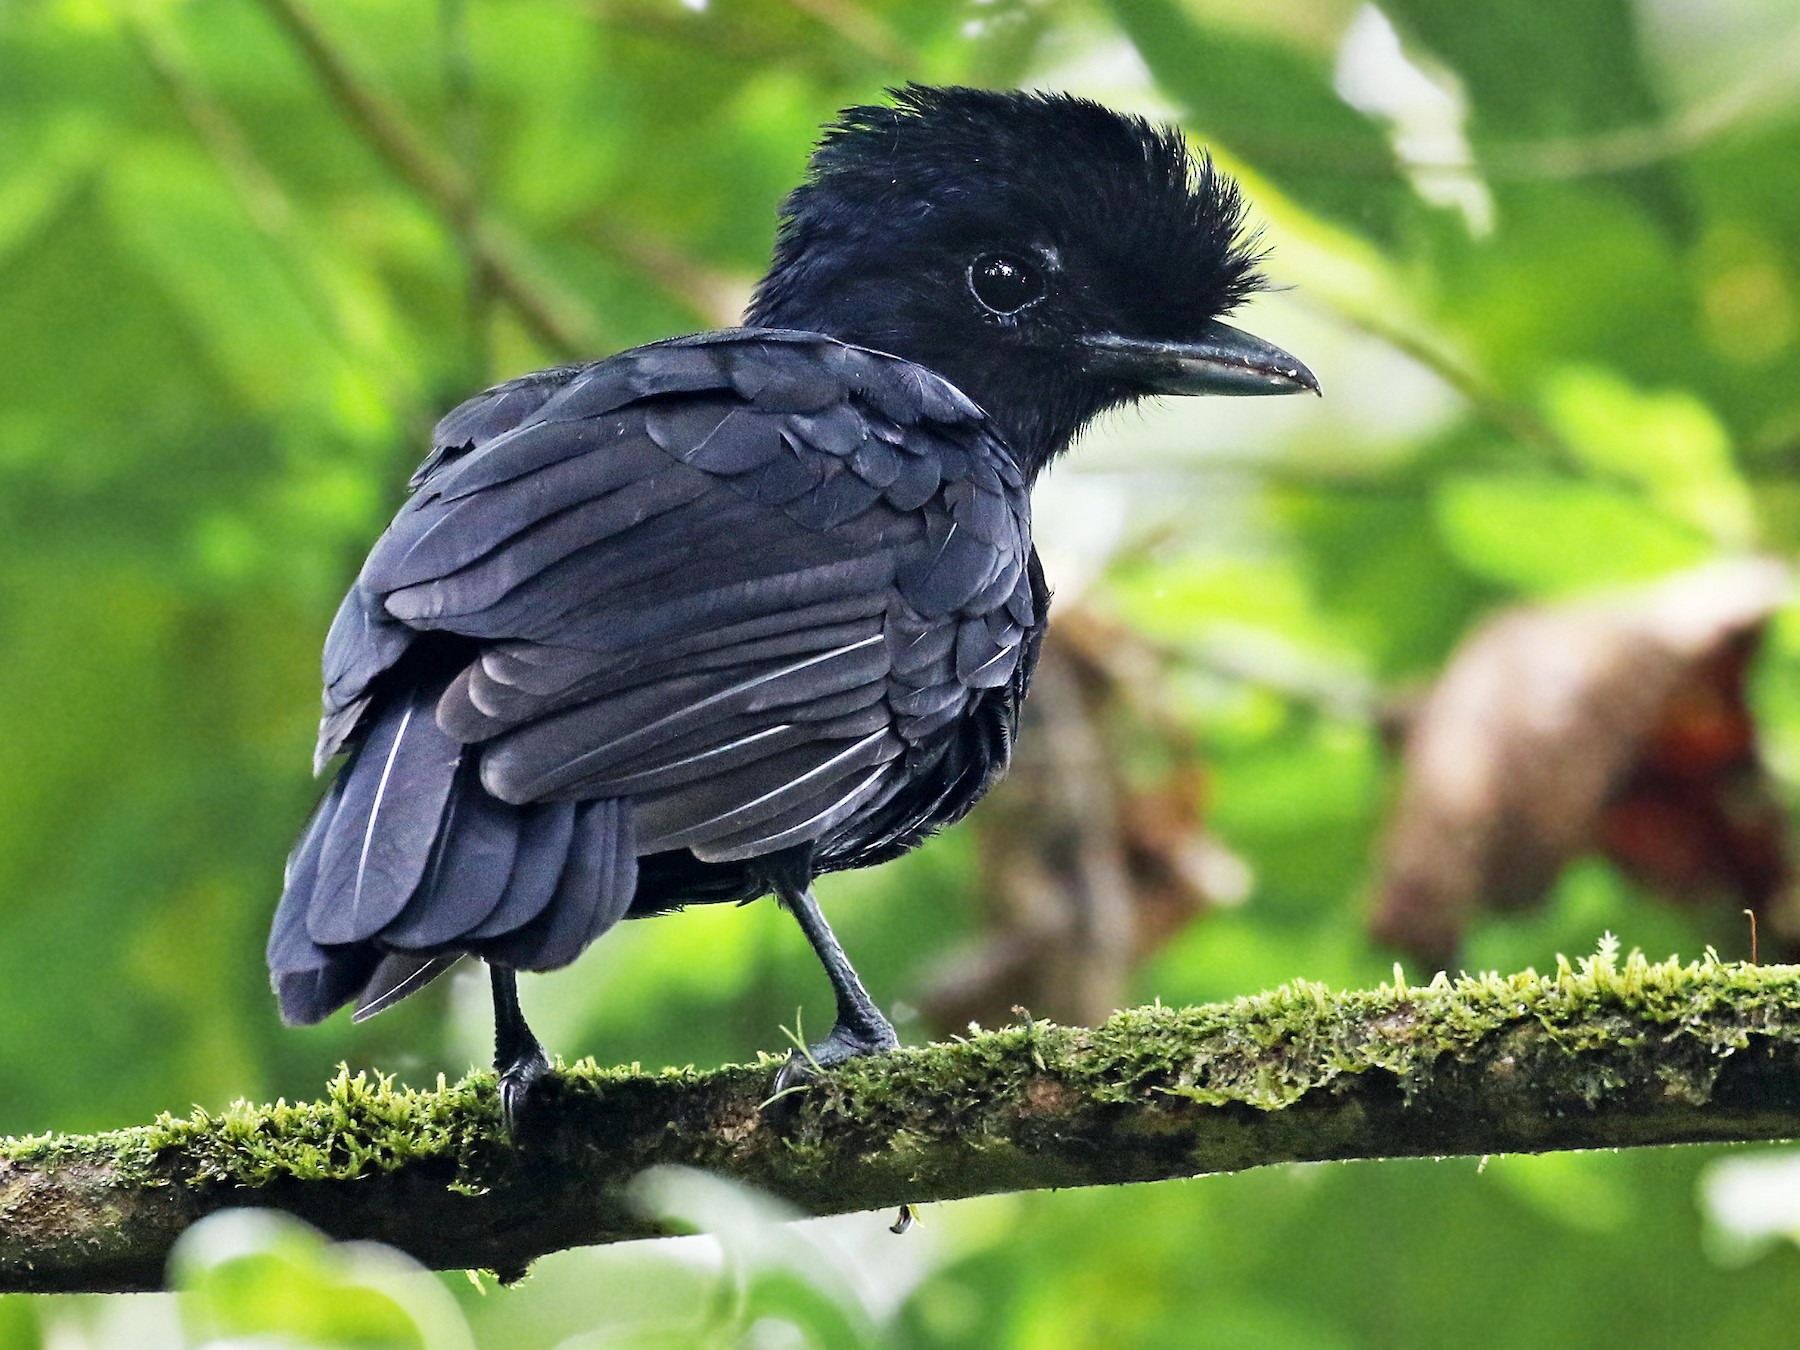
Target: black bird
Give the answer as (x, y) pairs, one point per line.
(711, 617)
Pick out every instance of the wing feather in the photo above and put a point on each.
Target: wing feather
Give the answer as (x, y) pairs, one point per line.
(377, 844)
(728, 804)
(715, 591)
(541, 851)
(536, 761)
(399, 974)
(811, 819)
(592, 894)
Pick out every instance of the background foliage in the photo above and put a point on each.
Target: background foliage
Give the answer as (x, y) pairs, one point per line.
(1545, 258)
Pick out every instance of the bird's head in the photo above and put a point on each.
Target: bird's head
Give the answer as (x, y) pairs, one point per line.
(1051, 257)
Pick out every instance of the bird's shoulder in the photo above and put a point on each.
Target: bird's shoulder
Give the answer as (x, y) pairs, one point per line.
(839, 397)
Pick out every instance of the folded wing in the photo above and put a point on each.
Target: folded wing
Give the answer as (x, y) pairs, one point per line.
(731, 585)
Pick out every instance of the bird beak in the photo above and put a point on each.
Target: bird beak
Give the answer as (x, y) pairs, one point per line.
(1223, 360)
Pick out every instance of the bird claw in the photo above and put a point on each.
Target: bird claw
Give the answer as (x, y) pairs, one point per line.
(844, 1043)
(516, 1082)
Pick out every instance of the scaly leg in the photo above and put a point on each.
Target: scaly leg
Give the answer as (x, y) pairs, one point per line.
(860, 1029)
(518, 1058)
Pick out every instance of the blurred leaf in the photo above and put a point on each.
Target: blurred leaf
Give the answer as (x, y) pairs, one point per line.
(1270, 101)
(1615, 725)
(1386, 572)
(1744, 358)
(1569, 277)
(1535, 67)
(1751, 1199)
(778, 1283)
(20, 1328)
(1670, 443)
(246, 1274)
(1568, 1188)
(1550, 536)
(1536, 70)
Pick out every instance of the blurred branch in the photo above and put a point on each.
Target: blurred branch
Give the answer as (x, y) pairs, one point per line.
(1136, 665)
(1623, 149)
(861, 29)
(438, 180)
(1604, 1055)
(265, 201)
(1511, 418)
(1765, 90)
(464, 130)
(718, 298)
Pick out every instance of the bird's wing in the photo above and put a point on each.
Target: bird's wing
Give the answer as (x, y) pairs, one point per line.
(732, 579)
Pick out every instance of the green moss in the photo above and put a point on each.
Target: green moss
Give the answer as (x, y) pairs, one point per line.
(1270, 1050)
(1265, 1052)
(361, 1124)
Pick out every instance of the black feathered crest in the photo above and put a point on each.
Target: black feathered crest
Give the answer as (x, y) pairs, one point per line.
(1165, 226)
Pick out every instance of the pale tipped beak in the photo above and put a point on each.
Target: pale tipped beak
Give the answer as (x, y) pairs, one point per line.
(1222, 360)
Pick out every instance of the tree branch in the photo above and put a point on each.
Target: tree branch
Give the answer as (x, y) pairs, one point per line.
(1604, 1054)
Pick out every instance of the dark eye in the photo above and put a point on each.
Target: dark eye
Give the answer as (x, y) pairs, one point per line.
(1005, 282)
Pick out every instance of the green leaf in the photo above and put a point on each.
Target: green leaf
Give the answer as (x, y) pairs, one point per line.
(1546, 80)
(20, 1328)
(1550, 536)
(245, 1274)
(1270, 101)
(1669, 443)
(1538, 67)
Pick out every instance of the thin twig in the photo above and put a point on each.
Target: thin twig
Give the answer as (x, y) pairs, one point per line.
(1623, 149)
(716, 297)
(438, 181)
(465, 141)
(265, 200)
(1515, 419)
(863, 29)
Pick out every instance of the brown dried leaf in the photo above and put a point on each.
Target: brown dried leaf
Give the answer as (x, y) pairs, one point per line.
(1617, 725)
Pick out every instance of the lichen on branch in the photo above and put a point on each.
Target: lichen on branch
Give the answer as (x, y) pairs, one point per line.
(1602, 1053)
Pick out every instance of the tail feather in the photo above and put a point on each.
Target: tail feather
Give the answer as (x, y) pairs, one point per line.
(310, 995)
(399, 974)
(544, 838)
(290, 946)
(470, 869)
(311, 981)
(593, 892)
(408, 862)
(394, 794)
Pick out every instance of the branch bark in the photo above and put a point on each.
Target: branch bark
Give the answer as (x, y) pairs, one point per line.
(1600, 1054)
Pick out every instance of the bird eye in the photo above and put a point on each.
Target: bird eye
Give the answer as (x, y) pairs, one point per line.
(1005, 283)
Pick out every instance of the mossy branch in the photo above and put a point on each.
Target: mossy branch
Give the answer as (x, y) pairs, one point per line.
(1602, 1054)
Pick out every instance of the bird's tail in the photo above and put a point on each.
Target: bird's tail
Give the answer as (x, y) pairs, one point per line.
(409, 862)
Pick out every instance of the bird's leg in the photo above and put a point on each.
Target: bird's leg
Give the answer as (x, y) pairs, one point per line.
(860, 1029)
(518, 1058)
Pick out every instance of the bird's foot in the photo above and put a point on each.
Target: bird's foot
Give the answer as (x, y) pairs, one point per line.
(516, 1080)
(867, 1034)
